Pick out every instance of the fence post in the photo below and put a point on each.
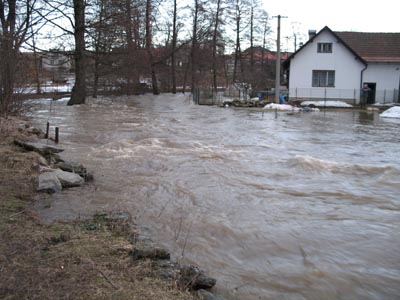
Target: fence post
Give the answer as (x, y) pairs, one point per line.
(46, 136)
(56, 137)
(384, 96)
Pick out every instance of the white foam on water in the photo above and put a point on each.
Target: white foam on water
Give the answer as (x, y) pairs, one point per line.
(321, 165)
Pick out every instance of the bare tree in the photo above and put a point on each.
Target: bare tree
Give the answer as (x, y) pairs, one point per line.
(252, 37)
(78, 95)
(240, 9)
(149, 47)
(257, 34)
(16, 19)
(193, 51)
(174, 41)
(217, 21)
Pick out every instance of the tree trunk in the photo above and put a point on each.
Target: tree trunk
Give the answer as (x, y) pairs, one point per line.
(149, 45)
(185, 78)
(214, 50)
(96, 75)
(97, 55)
(8, 61)
(78, 95)
(36, 66)
(11, 38)
(237, 44)
(252, 40)
(173, 63)
(131, 77)
(263, 62)
(194, 46)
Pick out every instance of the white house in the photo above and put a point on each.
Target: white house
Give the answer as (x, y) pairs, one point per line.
(56, 60)
(336, 65)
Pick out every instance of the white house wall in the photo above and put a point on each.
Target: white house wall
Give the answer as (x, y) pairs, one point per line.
(387, 79)
(347, 71)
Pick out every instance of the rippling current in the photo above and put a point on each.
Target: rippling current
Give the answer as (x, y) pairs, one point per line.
(302, 206)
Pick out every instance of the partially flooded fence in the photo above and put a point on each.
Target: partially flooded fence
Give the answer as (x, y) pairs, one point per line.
(207, 96)
(387, 96)
(351, 96)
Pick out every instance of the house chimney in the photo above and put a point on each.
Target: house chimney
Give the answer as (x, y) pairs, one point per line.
(311, 33)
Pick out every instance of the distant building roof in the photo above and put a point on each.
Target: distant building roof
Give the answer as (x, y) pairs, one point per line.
(260, 52)
(373, 47)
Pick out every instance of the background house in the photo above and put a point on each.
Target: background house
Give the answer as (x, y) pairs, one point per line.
(56, 65)
(336, 65)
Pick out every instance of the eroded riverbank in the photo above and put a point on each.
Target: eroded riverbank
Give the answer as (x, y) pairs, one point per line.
(101, 257)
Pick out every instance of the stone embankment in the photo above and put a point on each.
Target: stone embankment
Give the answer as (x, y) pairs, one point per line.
(185, 277)
(55, 173)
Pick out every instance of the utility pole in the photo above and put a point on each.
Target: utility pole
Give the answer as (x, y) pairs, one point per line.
(278, 60)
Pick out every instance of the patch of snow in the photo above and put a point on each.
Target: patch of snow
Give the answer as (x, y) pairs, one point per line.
(64, 88)
(329, 103)
(288, 107)
(273, 106)
(384, 104)
(393, 112)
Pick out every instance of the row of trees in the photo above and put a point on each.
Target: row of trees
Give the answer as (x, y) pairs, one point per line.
(176, 44)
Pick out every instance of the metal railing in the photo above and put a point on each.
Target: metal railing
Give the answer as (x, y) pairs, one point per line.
(351, 96)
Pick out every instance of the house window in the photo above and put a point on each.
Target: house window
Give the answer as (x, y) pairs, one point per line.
(324, 47)
(322, 78)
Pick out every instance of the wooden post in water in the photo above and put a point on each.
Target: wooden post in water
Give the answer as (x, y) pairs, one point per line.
(56, 138)
(46, 136)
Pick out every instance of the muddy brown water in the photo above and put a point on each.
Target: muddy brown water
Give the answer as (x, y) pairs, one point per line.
(303, 206)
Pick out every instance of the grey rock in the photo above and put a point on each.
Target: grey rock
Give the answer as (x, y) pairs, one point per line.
(193, 278)
(41, 148)
(205, 295)
(49, 183)
(68, 179)
(75, 168)
(42, 161)
(47, 149)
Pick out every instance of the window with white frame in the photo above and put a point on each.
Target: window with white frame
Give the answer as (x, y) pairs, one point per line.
(323, 78)
(324, 48)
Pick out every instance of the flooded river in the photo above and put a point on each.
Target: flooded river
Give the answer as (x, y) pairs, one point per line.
(303, 206)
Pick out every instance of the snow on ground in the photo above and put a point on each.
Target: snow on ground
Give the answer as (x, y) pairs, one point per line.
(288, 107)
(393, 112)
(390, 104)
(46, 89)
(326, 104)
(273, 106)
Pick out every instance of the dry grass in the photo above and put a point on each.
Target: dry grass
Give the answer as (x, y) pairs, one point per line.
(83, 260)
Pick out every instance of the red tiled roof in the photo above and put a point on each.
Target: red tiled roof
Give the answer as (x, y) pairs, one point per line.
(373, 47)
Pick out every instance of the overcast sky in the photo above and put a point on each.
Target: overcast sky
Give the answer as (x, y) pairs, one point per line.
(338, 15)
